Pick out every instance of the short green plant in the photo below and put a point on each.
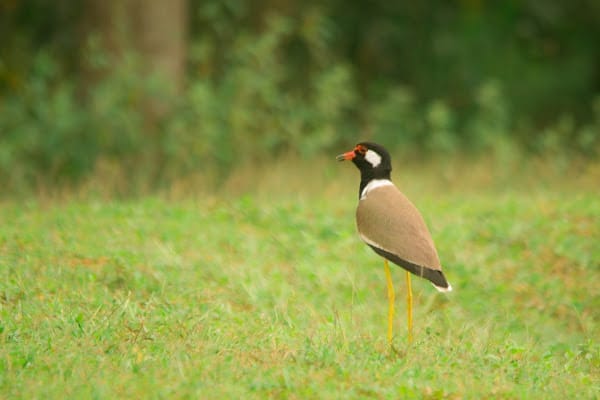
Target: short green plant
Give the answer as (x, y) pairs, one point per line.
(273, 296)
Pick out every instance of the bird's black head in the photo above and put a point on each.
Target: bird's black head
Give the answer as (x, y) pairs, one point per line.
(372, 159)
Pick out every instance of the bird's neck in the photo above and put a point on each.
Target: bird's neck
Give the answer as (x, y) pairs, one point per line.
(367, 177)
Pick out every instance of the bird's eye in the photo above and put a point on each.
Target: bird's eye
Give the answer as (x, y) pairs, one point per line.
(361, 149)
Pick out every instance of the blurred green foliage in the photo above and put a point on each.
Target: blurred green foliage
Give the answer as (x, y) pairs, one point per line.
(268, 78)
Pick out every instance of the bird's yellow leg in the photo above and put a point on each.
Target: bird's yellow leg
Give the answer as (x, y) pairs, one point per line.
(409, 306)
(391, 297)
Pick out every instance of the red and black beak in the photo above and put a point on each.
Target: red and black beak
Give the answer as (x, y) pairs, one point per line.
(346, 156)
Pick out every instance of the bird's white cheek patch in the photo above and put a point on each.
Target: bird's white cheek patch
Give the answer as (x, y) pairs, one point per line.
(373, 158)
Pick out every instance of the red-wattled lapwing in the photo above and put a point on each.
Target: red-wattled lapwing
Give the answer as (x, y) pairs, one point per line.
(392, 226)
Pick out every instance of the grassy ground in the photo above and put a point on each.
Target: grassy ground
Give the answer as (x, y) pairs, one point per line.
(271, 293)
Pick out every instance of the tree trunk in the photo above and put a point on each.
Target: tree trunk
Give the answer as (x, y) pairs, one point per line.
(154, 31)
(159, 34)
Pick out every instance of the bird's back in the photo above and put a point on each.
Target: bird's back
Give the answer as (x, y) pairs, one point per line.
(386, 219)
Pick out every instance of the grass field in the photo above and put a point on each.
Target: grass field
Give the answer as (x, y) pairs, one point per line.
(270, 293)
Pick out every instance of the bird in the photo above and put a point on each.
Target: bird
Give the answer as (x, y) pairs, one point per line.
(392, 226)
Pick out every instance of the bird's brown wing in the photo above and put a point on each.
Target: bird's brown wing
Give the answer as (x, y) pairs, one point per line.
(388, 221)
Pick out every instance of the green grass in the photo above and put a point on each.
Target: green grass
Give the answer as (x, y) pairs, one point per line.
(263, 295)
